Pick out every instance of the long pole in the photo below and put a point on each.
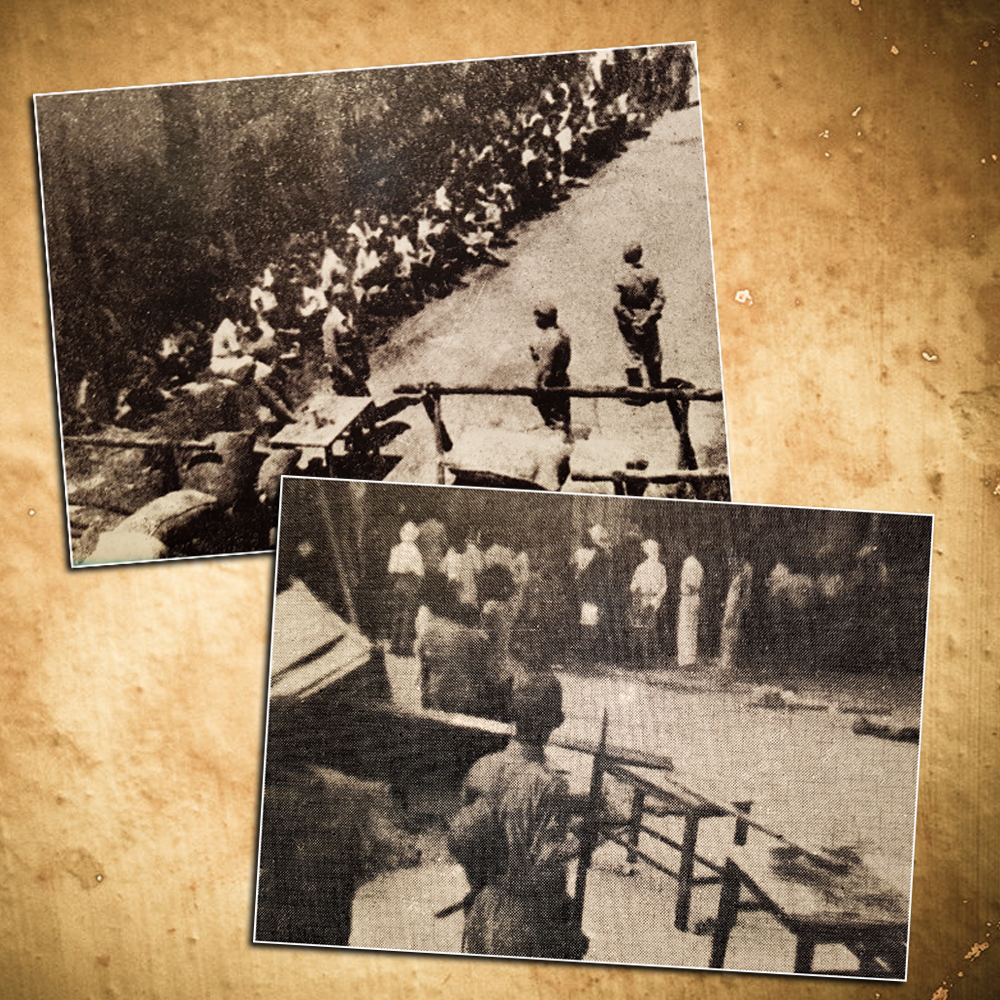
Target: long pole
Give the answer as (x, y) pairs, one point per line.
(576, 392)
(819, 854)
(438, 435)
(106, 441)
(339, 563)
(591, 825)
(666, 478)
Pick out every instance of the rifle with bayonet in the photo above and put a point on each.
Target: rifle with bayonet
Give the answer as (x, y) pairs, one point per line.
(590, 830)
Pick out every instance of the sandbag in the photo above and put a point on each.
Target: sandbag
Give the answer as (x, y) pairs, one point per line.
(227, 473)
(279, 463)
(153, 530)
(536, 457)
(126, 546)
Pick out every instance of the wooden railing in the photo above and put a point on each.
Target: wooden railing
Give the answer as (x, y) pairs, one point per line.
(625, 480)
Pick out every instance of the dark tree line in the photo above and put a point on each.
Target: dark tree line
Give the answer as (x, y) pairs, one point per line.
(158, 199)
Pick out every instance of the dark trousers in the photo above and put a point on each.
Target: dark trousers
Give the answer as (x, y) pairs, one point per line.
(554, 410)
(644, 350)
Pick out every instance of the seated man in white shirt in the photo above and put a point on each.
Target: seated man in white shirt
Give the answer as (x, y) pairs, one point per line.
(229, 359)
(233, 357)
(345, 353)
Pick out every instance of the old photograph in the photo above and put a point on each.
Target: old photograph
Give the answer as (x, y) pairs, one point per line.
(593, 728)
(493, 272)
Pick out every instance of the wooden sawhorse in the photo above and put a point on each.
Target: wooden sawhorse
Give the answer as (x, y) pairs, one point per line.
(670, 798)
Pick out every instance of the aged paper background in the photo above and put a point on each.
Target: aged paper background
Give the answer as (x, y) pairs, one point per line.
(865, 373)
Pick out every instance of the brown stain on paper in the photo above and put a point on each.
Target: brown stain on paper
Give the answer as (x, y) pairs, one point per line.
(988, 307)
(977, 414)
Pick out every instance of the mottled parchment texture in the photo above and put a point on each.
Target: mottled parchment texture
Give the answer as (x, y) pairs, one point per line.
(864, 374)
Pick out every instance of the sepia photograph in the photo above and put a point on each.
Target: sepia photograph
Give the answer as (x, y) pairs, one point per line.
(593, 728)
(490, 272)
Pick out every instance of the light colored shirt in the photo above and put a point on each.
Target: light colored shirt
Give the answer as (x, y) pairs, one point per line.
(649, 582)
(335, 325)
(692, 575)
(582, 558)
(462, 568)
(405, 558)
(229, 360)
(441, 200)
(359, 234)
(313, 301)
(262, 300)
(330, 266)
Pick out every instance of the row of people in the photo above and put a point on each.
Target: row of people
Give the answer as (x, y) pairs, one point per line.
(328, 285)
(460, 579)
(621, 589)
(618, 589)
(328, 288)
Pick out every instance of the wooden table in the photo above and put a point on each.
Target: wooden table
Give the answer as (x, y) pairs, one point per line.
(865, 914)
(350, 415)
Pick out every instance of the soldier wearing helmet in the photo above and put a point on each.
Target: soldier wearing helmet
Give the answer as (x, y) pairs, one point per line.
(640, 305)
(512, 837)
(550, 351)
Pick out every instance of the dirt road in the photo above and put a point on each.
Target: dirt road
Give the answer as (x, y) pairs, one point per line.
(656, 193)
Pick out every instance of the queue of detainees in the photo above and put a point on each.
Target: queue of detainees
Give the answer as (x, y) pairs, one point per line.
(302, 319)
(611, 601)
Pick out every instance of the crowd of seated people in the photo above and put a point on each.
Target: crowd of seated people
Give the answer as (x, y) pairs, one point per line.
(322, 295)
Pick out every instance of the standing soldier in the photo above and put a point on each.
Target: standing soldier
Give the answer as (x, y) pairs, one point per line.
(550, 350)
(640, 305)
(512, 837)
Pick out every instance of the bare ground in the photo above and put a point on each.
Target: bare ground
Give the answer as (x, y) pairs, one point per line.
(654, 192)
(807, 773)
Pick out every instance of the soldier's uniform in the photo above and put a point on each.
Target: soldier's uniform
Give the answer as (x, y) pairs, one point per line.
(512, 838)
(550, 350)
(640, 305)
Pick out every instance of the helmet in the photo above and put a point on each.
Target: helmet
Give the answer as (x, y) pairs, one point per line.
(545, 313)
(632, 253)
(536, 705)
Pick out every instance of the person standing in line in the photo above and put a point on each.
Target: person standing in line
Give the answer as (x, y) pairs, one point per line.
(626, 555)
(497, 552)
(595, 589)
(587, 618)
(692, 575)
(406, 570)
(737, 601)
(648, 588)
(462, 568)
(512, 838)
(640, 305)
(432, 541)
(550, 351)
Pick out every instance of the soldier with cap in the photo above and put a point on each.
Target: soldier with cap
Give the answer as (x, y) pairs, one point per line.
(640, 305)
(512, 838)
(550, 351)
